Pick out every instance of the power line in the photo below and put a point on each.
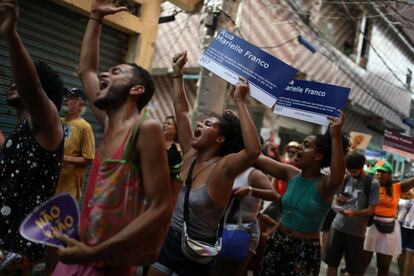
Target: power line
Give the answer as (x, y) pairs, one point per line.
(373, 48)
(339, 14)
(400, 89)
(358, 81)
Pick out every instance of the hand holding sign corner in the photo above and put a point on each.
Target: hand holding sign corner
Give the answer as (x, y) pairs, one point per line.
(75, 252)
(336, 123)
(240, 90)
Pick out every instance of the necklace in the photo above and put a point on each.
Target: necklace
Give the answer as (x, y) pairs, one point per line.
(205, 166)
(293, 207)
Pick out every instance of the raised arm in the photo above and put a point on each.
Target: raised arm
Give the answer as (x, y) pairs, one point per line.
(275, 168)
(89, 56)
(407, 185)
(43, 112)
(181, 105)
(331, 184)
(238, 162)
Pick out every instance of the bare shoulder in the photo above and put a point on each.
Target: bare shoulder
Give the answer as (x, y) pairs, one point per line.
(150, 125)
(150, 133)
(256, 174)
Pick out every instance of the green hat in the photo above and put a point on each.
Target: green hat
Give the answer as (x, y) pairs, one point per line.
(382, 165)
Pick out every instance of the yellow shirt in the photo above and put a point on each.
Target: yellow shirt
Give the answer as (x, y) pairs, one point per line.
(79, 142)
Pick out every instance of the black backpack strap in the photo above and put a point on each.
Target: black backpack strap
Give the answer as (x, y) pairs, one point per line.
(346, 180)
(367, 188)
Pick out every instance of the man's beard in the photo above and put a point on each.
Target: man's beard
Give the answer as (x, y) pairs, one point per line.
(115, 97)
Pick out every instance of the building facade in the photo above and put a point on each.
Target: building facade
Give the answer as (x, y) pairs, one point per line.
(52, 31)
(357, 46)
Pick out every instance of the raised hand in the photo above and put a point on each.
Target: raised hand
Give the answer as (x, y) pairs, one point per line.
(9, 13)
(240, 91)
(335, 124)
(178, 62)
(101, 8)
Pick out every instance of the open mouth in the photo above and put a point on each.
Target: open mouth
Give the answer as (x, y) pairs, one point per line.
(103, 84)
(298, 155)
(197, 133)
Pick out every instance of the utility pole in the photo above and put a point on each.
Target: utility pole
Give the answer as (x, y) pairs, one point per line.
(211, 92)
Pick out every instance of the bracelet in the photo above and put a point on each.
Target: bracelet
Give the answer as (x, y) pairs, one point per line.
(177, 76)
(96, 19)
(250, 191)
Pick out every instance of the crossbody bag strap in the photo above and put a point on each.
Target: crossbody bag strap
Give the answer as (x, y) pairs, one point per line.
(188, 182)
(346, 181)
(407, 210)
(367, 188)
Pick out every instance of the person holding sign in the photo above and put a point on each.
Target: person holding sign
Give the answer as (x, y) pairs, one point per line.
(127, 206)
(32, 154)
(295, 246)
(214, 155)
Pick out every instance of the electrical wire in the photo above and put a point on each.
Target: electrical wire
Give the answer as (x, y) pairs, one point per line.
(373, 73)
(279, 45)
(358, 81)
(374, 48)
(339, 15)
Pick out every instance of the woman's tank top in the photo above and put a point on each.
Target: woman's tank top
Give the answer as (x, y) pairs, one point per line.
(303, 206)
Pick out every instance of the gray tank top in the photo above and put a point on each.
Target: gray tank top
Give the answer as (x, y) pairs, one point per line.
(204, 215)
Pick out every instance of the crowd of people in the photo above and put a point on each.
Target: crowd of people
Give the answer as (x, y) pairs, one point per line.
(182, 200)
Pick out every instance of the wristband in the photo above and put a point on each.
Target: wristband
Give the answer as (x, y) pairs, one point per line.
(96, 19)
(250, 191)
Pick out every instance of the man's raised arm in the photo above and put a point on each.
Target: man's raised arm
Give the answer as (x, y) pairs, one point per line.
(89, 56)
(43, 112)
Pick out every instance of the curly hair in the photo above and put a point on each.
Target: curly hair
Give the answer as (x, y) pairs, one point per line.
(229, 127)
(51, 83)
(324, 146)
(144, 78)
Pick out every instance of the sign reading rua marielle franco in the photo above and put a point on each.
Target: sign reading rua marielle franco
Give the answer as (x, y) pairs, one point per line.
(229, 57)
(398, 144)
(311, 101)
(58, 214)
